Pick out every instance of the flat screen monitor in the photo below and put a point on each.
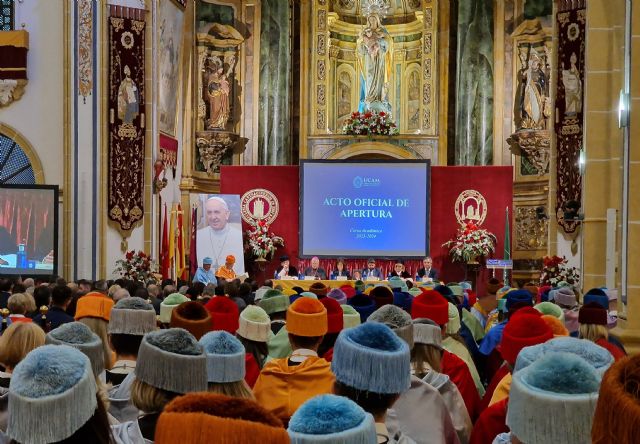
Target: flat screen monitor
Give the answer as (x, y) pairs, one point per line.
(364, 208)
(28, 230)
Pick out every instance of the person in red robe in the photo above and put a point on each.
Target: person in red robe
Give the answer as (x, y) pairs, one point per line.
(490, 424)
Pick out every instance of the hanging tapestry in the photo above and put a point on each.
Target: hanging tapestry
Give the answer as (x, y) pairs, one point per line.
(126, 120)
(85, 47)
(571, 18)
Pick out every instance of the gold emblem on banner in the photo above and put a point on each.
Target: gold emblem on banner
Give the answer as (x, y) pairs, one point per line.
(471, 206)
(259, 205)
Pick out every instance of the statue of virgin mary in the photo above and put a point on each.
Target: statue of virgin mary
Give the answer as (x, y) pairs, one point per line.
(374, 48)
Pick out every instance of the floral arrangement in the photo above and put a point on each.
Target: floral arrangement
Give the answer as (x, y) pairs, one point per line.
(370, 123)
(137, 267)
(470, 243)
(262, 242)
(555, 270)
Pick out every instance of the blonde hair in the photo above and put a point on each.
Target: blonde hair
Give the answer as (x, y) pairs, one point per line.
(113, 289)
(17, 341)
(99, 327)
(148, 398)
(425, 357)
(238, 389)
(593, 332)
(21, 303)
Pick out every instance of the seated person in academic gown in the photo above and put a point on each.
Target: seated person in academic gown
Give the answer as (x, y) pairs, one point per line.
(398, 270)
(285, 384)
(315, 270)
(204, 274)
(340, 270)
(226, 271)
(427, 270)
(285, 268)
(371, 270)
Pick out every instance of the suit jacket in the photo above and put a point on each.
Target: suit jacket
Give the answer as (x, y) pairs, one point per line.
(375, 272)
(433, 273)
(319, 273)
(335, 274)
(293, 271)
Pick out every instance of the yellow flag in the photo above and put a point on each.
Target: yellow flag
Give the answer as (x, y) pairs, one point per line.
(172, 241)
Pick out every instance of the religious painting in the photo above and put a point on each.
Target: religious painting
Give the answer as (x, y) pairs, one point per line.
(171, 23)
(532, 107)
(219, 229)
(344, 93)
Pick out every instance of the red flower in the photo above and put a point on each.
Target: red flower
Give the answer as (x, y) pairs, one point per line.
(141, 254)
(129, 255)
(368, 115)
(382, 114)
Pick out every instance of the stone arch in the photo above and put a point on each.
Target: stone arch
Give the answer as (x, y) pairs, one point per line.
(361, 149)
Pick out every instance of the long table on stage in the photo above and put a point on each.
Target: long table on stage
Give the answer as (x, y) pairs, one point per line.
(288, 284)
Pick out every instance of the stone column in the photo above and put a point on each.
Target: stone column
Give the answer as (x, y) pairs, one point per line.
(474, 83)
(274, 144)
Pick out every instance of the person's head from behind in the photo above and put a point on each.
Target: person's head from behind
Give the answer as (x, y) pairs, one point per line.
(307, 323)
(372, 367)
(100, 286)
(593, 322)
(61, 296)
(17, 341)
(217, 213)
(426, 354)
(225, 364)
(131, 319)
(175, 352)
(42, 296)
(21, 304)
(84, 285)
(54, 382)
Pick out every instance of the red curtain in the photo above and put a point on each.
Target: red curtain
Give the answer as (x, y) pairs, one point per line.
(24, 214)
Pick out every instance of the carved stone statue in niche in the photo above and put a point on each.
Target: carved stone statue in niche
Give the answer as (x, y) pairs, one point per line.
(532, 104)
(374, 48)
(218, 90)
(572, 87)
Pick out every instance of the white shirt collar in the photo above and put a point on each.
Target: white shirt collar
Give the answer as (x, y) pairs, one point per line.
(301, 355)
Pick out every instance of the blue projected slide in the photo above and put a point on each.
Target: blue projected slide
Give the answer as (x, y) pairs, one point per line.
(362, 209)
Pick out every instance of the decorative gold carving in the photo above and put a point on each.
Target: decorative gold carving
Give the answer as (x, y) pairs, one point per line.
(427, 69)
(321, 122)
(322, 71)
(531, 232)
(322, 19)
(11, 90)
(321, 95)
(212, 146)
(426, 119)
(426, 94)
(428, 42)
(85, 47)
(322, 44)
(535, 146)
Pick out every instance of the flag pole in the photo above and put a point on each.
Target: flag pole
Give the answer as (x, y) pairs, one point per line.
(507, 246)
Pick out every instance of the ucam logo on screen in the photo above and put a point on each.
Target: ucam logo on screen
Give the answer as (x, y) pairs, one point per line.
(359, 182)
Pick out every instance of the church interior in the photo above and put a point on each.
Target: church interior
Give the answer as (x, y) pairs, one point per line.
(138, 111)
(459, 85)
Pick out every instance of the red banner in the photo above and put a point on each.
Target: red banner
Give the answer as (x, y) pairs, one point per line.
(481, 192)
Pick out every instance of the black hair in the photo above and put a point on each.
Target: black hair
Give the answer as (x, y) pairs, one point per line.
(375, 403)
(141, 293)
(42, 296)
(310, 342)
(259, 350)
(60, 295)
(231, 289)
(219, 290)
(18, 288)
(268, 283)
(125, 345)
(5, 285)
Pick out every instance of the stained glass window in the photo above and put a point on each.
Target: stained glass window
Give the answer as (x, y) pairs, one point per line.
(6, 15)
(15, 167)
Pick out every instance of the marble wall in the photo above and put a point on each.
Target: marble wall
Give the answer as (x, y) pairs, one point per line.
(274, 138)
(474, 83)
